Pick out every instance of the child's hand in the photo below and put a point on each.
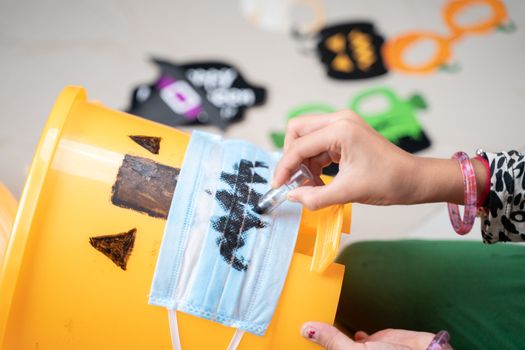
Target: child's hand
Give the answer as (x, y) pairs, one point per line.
(372, 170)
(331, 338)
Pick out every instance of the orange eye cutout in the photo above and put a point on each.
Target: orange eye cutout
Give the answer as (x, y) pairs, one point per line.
(498, 16)
(394, 50)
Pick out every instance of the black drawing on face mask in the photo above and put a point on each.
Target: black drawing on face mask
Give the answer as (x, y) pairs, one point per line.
(239, 202)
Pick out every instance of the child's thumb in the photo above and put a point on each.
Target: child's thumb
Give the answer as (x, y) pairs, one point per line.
(327, 336)
(317, 197)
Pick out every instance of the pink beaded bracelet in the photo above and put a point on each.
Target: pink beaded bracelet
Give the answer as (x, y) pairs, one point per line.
(440, 342)
(469, 180)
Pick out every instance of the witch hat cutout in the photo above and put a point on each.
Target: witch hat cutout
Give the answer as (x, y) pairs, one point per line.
(116, 247)
(151, 143)
(203, 92)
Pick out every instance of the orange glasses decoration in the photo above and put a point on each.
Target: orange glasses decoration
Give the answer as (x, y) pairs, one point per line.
(394, 49)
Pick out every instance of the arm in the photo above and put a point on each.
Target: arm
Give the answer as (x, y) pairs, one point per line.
(372, 169)
(504, 219)
(375, 171)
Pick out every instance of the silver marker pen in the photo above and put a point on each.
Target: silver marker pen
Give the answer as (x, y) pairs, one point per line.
(276, 196)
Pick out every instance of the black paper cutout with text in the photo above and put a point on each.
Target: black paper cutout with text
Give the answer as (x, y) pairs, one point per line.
(196, 93)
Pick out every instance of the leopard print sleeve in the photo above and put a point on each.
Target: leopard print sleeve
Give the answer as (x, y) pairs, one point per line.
(504, 219)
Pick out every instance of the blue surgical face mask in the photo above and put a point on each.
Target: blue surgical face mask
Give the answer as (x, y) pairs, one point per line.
(219, 259)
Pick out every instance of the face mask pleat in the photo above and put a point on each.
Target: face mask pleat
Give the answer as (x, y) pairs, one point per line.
(200, 227)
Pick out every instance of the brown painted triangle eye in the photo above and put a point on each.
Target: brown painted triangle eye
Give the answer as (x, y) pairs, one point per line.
(116, 247)
(151, 143)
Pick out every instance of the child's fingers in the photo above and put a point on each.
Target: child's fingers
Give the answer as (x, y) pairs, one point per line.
(329, 337)
(306, 124)
(317, 163)
(303, 148)
(360, 336)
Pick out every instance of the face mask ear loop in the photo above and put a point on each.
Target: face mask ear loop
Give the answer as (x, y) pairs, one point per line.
(236, 340)
(174, 330)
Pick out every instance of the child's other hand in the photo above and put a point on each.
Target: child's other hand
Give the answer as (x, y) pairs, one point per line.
(330, 338)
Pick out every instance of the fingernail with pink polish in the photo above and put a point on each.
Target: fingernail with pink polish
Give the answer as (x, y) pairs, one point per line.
(310, 333)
